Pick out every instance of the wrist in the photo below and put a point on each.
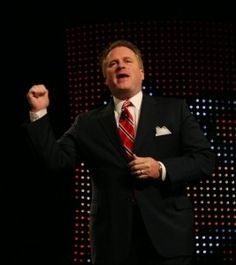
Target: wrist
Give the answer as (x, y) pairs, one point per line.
(34, 116)
(160, 169)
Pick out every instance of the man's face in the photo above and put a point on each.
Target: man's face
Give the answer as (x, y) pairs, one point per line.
(123, 73)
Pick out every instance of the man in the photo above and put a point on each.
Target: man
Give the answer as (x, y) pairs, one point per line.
(139, 211)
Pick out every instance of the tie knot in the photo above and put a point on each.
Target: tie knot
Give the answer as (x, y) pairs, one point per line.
(126, 104)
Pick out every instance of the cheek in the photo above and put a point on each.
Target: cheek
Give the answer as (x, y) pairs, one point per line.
(108, 79)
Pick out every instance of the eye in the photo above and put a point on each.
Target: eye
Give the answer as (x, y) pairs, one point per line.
(128, 60)
(112, 63)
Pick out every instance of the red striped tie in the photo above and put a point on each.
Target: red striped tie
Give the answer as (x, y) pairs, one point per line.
(126, 129)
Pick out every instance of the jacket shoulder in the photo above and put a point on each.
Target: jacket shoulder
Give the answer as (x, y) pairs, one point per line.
(165, 100)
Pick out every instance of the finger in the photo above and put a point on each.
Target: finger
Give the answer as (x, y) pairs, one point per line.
(140, 172)
(38, 91)
(38, 94)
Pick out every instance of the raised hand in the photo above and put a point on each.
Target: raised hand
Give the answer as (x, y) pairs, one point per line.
(38, 98)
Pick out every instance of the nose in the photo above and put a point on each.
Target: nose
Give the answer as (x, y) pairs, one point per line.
(120, 65)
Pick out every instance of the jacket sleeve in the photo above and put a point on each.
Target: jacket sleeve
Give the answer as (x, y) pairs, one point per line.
(52, 154)
(196, 159)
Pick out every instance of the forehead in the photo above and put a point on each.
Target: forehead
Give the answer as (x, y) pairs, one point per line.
(119, 52)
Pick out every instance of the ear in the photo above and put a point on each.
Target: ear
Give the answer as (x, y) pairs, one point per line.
(142, 73)
(105, 81)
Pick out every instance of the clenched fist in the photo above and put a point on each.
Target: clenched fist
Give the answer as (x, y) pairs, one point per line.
(37, 97)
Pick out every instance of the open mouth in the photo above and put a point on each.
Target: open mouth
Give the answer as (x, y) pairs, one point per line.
(121, 76)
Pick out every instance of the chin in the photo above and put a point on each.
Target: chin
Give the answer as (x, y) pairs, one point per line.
(123, 93)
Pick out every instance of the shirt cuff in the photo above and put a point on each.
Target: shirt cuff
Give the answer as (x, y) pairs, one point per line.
(163, 171)
(34, 116)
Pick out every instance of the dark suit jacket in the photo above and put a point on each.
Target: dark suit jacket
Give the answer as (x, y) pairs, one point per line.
(167, 212)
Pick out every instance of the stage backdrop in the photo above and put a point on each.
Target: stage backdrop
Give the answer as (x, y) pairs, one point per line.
(194, 59)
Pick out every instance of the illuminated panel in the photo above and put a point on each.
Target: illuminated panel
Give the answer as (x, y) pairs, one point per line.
(214, 198)
(190, 59)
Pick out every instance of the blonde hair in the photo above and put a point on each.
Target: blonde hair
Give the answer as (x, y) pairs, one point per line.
(119, 43)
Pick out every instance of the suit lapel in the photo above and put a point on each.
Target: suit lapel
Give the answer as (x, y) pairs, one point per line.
(150, 115)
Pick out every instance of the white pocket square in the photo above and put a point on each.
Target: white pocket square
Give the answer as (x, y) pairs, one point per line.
(162, 131)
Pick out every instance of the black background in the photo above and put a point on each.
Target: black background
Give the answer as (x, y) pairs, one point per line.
(33, 50)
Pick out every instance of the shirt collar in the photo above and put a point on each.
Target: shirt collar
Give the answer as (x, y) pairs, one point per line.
(135, 100)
